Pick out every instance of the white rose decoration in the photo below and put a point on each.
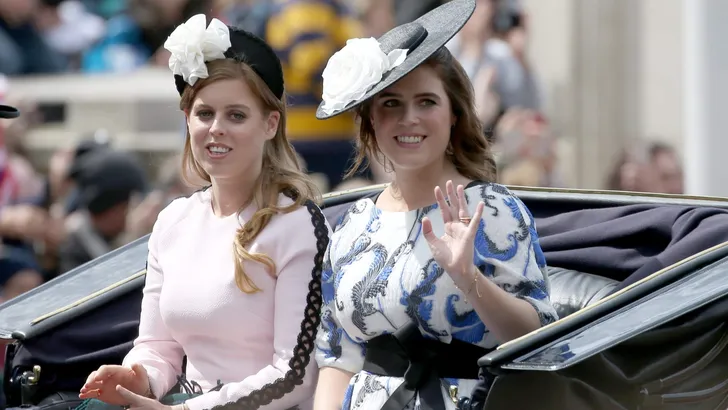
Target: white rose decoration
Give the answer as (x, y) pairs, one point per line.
(192, 45)
(354, 70)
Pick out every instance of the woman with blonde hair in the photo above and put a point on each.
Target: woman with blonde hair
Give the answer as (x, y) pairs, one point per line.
(230, 287)
(443, 265)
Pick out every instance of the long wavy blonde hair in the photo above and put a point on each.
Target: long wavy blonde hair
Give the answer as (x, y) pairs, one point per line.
(281, 171)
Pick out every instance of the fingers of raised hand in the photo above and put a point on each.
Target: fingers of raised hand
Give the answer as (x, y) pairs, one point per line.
(463, 212)
(453, 198)
(428, 233)
(444, 206)
(475, 222)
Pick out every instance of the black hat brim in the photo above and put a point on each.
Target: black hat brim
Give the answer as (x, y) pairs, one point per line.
(440, 24)
(7, 111)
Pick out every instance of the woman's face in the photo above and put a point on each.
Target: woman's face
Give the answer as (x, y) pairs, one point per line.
(228, 129)
(412, 120)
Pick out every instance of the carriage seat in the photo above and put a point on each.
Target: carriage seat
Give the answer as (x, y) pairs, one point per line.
(572, 290)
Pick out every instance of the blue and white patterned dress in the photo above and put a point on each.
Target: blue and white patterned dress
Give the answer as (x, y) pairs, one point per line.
(379, 274)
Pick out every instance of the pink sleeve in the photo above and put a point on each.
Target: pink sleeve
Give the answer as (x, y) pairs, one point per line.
(294, 275)
(155, 348)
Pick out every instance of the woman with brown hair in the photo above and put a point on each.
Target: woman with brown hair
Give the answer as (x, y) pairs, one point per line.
(417, 287)
(229, 285)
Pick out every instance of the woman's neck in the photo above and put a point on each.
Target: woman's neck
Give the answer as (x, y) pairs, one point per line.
(414, 189)
(231, 195)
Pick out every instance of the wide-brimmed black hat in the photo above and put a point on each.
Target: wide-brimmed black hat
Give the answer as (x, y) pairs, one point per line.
(421, 38)
(7, 111)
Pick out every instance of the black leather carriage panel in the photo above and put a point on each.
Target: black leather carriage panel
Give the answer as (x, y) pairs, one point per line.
(691, 292)
(572, 324)
(76, 292)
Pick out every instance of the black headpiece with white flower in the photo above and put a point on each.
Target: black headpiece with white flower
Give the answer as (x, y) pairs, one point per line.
(194, 43)
(366, 66)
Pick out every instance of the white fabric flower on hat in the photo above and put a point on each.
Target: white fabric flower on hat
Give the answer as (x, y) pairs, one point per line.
(352, 71)
(192, 44)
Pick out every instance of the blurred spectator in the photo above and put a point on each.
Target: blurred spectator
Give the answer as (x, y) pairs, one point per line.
(62, 196)
(29, 182)
(158, 18)
(105, 8)
(19, 224)
(667, 166)
(631, 171)
(136, 36)
(23, 223)
(59, 192)
(525, 172)
(172, 184)
(68, 27)
(377, 16)
(492, 49)
(410, 10)
(524, 142)
(304, 34)
(19, 273)
(121, 49)
(99, 140)
(107, 181)
(23, 50)
(251, 15)
(647, 167)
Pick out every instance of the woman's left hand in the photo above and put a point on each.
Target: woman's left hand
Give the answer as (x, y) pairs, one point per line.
(454, 250)
(137, 401)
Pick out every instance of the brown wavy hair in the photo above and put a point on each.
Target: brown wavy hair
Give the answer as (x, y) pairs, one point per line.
(281, 171)
(469, 150)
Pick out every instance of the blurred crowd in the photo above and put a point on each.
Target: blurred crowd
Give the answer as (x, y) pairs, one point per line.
(92, 197)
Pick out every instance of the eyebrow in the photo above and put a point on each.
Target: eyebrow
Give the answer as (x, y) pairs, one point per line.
(419, 95)
(234, 106)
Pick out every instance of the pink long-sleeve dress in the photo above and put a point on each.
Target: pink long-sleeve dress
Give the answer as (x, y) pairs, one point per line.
(192, 306)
